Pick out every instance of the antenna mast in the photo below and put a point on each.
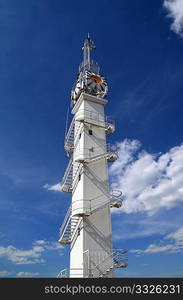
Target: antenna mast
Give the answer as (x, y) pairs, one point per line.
(88, 45)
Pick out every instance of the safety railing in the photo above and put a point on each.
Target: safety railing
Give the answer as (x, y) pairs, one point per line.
(98, 263)
(66, 183)
(69, 138)
(68, 227)
(90, 206)
(114, 258)
(73, 133)
(90, 117)
(116, 199)
(63, 274)
(107, 151)
(65, 221)
(96, 118)
(73, 272)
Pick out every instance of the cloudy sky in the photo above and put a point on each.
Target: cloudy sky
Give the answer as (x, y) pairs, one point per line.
(139, 48)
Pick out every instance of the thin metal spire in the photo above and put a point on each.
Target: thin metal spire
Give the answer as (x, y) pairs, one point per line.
(88, 45)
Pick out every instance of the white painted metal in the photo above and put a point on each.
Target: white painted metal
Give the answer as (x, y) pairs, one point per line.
(62, 274)
(96, 263)
(87, 225)
(92, 191)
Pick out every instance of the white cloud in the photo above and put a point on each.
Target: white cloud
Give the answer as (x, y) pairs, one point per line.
(175, 12)
(156, 249)
(26, 274)
(127, 151)
(31, 256)
(149, 182)
(56, 187)
(40, 242)
(20, 257)
(4, 273)
(176, 236)
(49, 245)
(175, 245)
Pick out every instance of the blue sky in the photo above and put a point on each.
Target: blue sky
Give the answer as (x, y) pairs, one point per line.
(139, 48)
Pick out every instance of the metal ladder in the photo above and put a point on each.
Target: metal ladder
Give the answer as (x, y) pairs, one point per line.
(71, 134)
(66, 183)
(76, 171)
(69, 138)
(70, 223)
(69, 227)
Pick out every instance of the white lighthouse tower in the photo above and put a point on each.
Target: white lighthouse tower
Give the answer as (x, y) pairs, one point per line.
(87, 224)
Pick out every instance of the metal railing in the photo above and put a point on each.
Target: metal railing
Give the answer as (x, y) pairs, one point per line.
(116, 199)
(90, 206)
(109, 125)
(73, 133)
(87, 208)
(63, 274)
(116, 258)
(68, 227)
(98, 263)
(105, 151)
(90, 117)
(111, 148)
(69, 138)
(66, 183)
(95, 118)
(73, 272)
(117, 194)
(65, 221)
(83, 207)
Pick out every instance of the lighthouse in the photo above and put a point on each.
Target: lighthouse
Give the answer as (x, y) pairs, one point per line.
(87, 223)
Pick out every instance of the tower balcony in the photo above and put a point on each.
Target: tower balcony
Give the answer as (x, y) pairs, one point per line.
(96, 118)
(90, 117)
(116, 199)
(109, 125)
(89, 155)
(87, 207)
